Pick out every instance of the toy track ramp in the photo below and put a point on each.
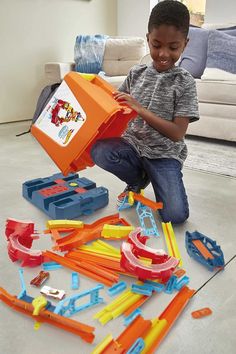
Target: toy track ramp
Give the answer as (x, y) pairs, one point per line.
(65, 197)
(81, 111)
(78, 328)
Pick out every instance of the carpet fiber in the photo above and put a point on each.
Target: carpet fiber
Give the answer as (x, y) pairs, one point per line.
(211, 156)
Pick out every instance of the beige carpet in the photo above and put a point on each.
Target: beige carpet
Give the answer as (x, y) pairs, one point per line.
(211, 156)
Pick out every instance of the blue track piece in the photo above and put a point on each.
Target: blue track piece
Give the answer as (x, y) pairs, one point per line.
(137, 347)
(51, 266)
(74, 281)
(117, 288)
(63, 197)
(22, 294)
(155, 286)
(67, 307)
(142, 289)
(145, 214)
(132, 316)
(217, 257)
(180, 283)
(170, 285)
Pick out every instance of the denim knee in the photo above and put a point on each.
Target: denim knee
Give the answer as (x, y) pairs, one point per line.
(175, 216)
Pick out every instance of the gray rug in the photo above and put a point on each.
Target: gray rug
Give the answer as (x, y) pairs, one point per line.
(211, 156)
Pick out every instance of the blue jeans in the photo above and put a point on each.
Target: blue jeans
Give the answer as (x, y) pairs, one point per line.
(118, 157)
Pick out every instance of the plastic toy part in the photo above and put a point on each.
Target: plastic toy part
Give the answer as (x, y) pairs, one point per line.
(132, 316)
(130, 262)
(162, 325)
(117, 288)
(38, 303)
(116, 231)
(118, 306)
(51, 266)
(22, 282)
(67, 307)
(182, 282)
(146, 218)
(129, 338)
(80, 112)
(204, 250)
(137, 347)
(179, 272)
(139, 248)
(65, 197)
(40, 278)
(98, 273)
(170, 285)
(88, 233)
(172, 246)
(142, 289)
(51, 292)
(78, 328)
(206, 311)
(19, 242)
(74, 281)
(67, 224)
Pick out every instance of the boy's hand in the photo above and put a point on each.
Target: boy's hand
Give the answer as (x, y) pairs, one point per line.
(126, 99)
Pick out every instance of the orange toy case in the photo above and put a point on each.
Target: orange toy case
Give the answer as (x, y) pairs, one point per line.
(81, 111)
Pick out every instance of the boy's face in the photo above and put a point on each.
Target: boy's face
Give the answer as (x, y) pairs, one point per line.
(166, 45)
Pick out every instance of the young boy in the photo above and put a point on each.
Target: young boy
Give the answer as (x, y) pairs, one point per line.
(152, 149)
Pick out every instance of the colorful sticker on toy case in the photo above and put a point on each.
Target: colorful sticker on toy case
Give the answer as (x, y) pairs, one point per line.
(62, 117)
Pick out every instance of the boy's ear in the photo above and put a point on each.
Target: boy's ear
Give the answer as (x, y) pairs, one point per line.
(147, 36)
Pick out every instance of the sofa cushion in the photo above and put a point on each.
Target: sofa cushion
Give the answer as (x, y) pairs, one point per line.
(115, 81)
(194, 56)
(221, 54)
(121, 53)
(216, 92)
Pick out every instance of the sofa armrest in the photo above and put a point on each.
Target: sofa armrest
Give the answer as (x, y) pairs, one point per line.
(56, 71)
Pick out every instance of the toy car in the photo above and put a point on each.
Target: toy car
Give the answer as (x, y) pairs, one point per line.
(40, 278)
(51, 292)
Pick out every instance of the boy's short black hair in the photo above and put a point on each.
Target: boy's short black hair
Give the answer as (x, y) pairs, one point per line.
(170, 12)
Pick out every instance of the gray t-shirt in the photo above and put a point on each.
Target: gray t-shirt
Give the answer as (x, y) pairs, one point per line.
(168, 94)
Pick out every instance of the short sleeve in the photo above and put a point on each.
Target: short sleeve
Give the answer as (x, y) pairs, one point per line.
(187, 101)
(125, 86)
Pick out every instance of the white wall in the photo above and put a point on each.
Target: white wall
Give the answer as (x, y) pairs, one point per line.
(132, 17)
(219, 11)
(33, 32)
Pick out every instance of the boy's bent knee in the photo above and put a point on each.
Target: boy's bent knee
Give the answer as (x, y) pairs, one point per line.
(175, 217)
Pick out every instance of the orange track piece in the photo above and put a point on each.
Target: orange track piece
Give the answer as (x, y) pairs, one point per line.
(137, 328)
(107, 262)
(95, 272)
(202, 248)
(78, 328)
(171, 313)
(201, 313)
(179, 272)
(145, 201)
(88, 233)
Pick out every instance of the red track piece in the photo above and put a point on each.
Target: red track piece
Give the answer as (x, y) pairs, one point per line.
(135, 238)
(19, 236)
(161, 271)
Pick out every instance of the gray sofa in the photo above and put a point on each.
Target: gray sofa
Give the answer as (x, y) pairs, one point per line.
(217, 98)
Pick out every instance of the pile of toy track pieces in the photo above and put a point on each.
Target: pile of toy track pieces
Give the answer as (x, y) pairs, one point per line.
(83, 249)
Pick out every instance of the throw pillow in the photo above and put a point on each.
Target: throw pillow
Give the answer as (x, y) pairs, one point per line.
(89, 52)
(221, 57)
(194, 56)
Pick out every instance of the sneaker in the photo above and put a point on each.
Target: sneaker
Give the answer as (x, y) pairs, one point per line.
(122, 199)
